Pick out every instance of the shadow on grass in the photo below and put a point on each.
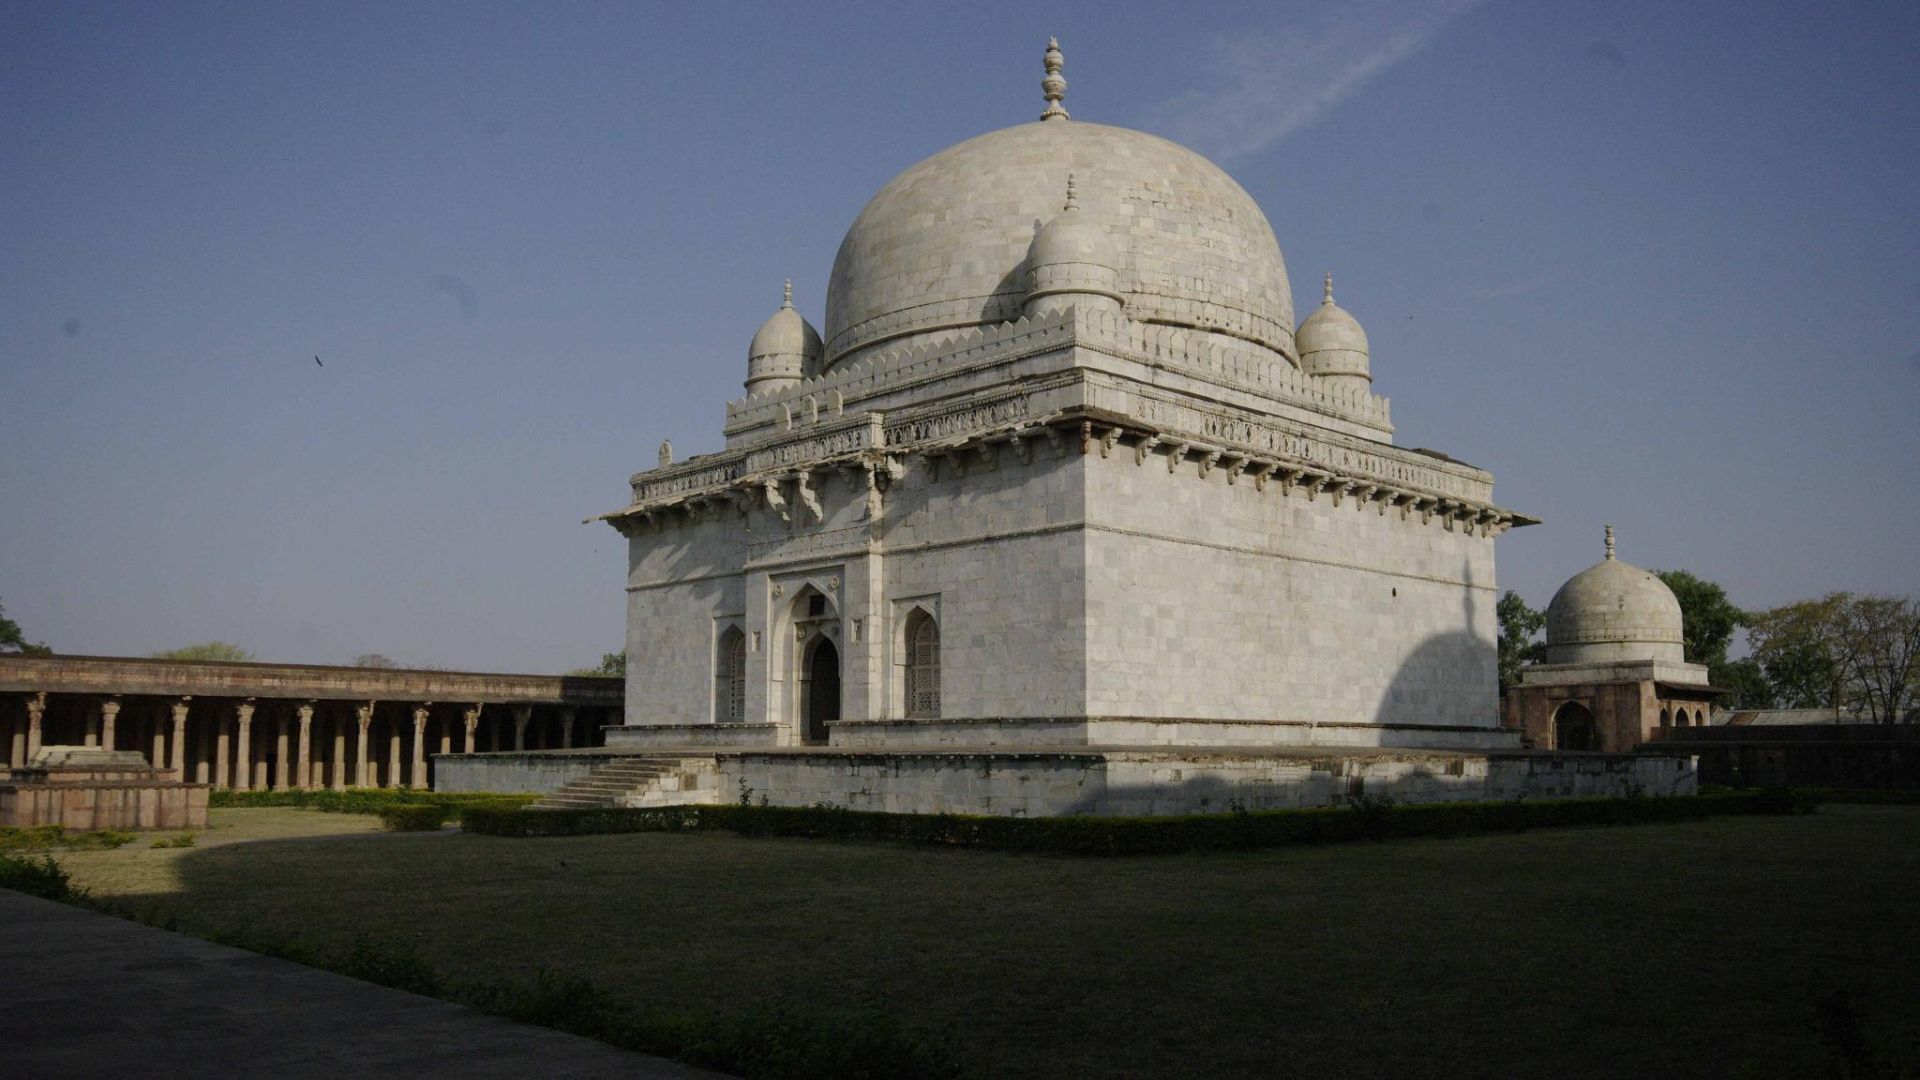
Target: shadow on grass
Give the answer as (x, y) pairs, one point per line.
(773, 1041)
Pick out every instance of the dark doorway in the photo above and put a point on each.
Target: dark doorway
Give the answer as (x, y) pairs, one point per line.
(1574, 729)
(823, 690)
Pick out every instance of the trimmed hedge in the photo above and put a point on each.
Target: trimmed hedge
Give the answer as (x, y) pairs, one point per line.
(1239, 831)
(368, 800)
(415, 817)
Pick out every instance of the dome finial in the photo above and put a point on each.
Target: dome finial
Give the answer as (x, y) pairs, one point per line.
(1328, 298)
(786, 295)
(1054, 86)
(1071, 204)
(1609, 541)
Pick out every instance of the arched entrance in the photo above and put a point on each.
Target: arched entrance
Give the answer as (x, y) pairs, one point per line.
(1574, 729)
(821, 703)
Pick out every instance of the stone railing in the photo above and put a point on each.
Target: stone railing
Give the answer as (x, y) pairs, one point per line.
(899, 368)
(1197, 352)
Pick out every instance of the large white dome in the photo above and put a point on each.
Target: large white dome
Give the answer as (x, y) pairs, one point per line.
(943, 245)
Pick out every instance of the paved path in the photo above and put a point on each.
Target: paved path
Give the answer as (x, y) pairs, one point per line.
(88, 995)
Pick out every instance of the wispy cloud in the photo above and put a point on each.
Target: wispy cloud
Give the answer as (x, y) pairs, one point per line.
(1276, 81)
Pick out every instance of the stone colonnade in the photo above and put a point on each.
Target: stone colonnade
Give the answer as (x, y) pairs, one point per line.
(261, 743)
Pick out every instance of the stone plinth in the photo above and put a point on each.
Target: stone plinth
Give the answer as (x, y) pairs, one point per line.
(78, 787)
(1100, 781)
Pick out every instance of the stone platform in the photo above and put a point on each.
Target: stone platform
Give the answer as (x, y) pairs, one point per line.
(1064, 780)
(79, 787)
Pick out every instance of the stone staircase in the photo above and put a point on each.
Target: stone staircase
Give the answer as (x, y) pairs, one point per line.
(638, 779)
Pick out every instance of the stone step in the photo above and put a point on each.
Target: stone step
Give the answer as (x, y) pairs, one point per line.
(607, 784)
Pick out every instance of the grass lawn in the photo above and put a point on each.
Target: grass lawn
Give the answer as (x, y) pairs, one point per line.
(1695, 950)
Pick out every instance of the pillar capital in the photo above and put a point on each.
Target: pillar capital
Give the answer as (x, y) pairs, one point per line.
(180, 708)
(471, 715)
(36, 707)
(110, 706)
(244, 710)
(364, 714)
(305, 712)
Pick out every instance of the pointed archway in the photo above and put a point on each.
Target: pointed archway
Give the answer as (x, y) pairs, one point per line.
(820, 703)
(1574, 728)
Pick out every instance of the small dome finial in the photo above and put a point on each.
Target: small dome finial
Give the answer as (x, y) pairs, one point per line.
(1328, 298)
(1071, 204)
(1609, 541)
(786, 295)
(1054, 86)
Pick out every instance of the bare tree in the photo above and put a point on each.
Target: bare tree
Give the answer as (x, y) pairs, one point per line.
(1882, 635)
(1842, 651)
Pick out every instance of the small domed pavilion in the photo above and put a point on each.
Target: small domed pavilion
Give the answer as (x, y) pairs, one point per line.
(1616, 668)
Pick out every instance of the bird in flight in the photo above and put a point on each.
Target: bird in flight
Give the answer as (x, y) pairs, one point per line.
(317, 361)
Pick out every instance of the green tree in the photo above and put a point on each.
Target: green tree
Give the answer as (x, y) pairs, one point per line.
(612, 665)
(1843, 651)
(1747, 680)
(374, 660)
(12, 640)
(1519, 625)
(1794, 646)
(1708, 619)
(210, 650)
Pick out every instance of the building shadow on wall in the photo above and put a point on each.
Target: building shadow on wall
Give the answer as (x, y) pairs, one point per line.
(1458, 657)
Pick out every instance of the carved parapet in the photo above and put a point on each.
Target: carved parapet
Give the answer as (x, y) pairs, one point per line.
(895, 369)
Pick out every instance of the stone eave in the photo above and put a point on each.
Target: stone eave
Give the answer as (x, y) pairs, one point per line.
(728, 475)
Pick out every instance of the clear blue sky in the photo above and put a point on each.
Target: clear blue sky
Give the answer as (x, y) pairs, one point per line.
(1651, 263)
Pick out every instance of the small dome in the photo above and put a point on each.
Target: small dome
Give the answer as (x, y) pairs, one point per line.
(1331, 341)
(1613, 611)
(785, 349)
(1072, 256)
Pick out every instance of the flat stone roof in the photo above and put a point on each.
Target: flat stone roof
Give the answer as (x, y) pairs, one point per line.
(223, 678)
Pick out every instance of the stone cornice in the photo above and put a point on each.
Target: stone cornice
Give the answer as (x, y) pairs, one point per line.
(1294, 458)
(201, 678)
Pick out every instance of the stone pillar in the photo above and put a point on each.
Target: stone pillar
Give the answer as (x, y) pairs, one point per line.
(222, 757)
(763, 696)
(201, 769)
(418, 774)
(337, 761)
(243, 746)
(566, 729)
(363, 713)
(303, 761)
(393, 756)
(159, 757)
(179, 763)
(521, 714)
(282, 754)
(471, 718)
(36, 710)
(109, 714)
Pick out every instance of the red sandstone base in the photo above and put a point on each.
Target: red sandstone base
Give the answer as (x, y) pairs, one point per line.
(81, 788)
